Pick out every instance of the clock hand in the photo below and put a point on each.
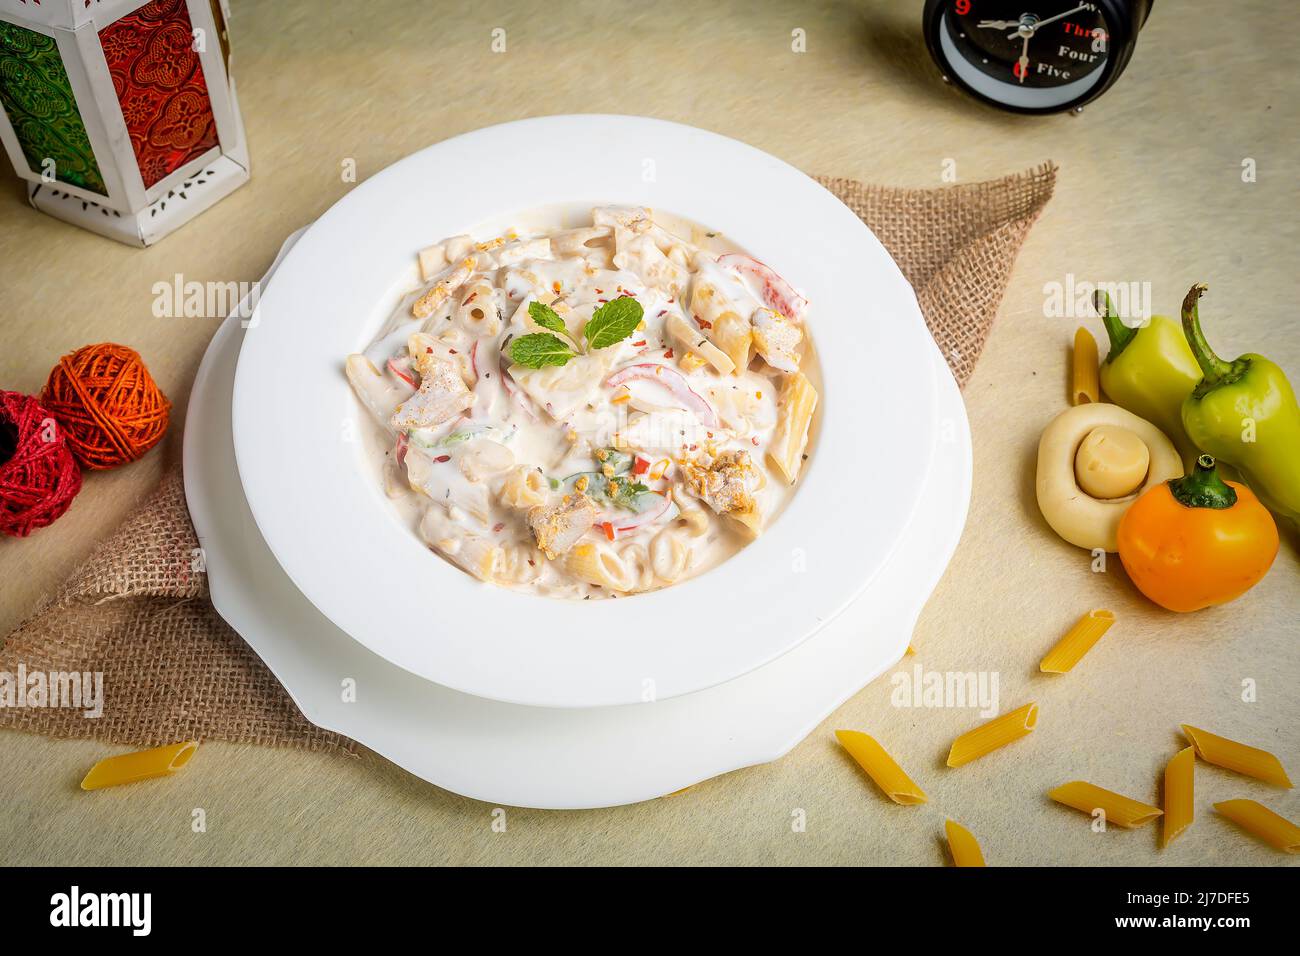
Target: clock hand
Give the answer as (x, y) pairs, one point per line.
(997, 24)
(1024, 59)
(1043, 23)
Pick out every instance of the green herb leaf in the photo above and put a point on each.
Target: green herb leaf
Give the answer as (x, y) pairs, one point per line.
(547, 317)
(629, 495)
(539, 350)
(619, 461)
(613, 322)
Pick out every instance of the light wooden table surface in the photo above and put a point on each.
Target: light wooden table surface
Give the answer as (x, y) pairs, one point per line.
(1150, 190)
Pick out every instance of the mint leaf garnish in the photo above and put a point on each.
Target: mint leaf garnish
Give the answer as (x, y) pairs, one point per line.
(547, 317)
(613, 322)
(539, 350)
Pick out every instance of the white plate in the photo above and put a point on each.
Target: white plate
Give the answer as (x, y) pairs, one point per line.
(339, 539)
(546, 757)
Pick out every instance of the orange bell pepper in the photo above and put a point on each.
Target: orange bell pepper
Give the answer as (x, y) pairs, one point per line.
(1197, 541)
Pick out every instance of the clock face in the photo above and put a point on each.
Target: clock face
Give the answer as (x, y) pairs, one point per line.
(1034, 54)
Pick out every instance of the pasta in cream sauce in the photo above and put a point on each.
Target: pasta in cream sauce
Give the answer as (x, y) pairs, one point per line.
(593, 411)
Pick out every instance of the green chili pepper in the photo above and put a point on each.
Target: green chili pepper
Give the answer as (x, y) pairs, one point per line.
(1245, 412)
(1149, 372)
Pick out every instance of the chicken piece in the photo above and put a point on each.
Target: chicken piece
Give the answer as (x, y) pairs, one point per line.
(727, 485)
(776, 339)
(441, 395)
(557, 528)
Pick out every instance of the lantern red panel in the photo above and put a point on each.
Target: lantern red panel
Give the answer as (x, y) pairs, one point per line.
(160, 86)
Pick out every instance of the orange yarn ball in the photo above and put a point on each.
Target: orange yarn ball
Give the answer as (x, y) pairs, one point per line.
(109, 406)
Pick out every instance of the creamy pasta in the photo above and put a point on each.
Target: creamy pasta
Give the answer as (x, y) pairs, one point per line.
(594, 411)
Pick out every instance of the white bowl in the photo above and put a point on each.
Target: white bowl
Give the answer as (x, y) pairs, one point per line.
(328, 523)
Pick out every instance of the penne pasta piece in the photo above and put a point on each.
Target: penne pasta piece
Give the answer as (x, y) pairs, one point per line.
(1086, 386)
(881, 767)
(695, 518)
(524, 487)
(1118, 809)
(1258, 820)
(520, 249)
(1231, 755)
(379, 395)
(669, 555)
(734, 336)
(432, 261)
(962, 844)
(1077, 641)
(1179, 788)
(717, 314)
(471, 552)
(692, 341)
(598, 564)
(996, 733)
(477, 312)
(428, 303)
(797, 402)
(141, 765)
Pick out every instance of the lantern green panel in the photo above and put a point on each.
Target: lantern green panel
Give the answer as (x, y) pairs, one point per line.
(37, 95)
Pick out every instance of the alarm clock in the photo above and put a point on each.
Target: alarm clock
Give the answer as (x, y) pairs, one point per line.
(1033, 56)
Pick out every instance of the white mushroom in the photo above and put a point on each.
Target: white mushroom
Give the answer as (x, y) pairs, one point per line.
(1099, 449)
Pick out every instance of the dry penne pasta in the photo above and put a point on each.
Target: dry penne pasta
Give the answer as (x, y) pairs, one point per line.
(1179, 788)
(1118, 809)
(1255, 818)
(881, 767)
(140, 765)
(1069, 650)
(962, 844)
(1086, 386)
(1250, 761)
(998, 732)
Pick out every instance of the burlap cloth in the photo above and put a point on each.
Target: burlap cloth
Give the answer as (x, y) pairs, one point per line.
(138, 609)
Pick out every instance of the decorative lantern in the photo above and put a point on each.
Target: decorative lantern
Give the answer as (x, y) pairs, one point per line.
(121, 114)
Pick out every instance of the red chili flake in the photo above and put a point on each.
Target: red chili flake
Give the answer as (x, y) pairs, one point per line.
(639, 344)
(627, 295)
(662, 312)
(754, 439)
(693, 447)
(496, 528)
(703, 324)
(532, 563)
(640, 466)
(472, 296)
(608, 528)
(452, 351)
(602, 300)
(443, 458)
(600, 292)
(668, 353)
(671, 300)
(428, 350)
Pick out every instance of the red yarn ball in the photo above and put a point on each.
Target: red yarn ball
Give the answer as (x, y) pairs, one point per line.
(108, 403)
(38, 475)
